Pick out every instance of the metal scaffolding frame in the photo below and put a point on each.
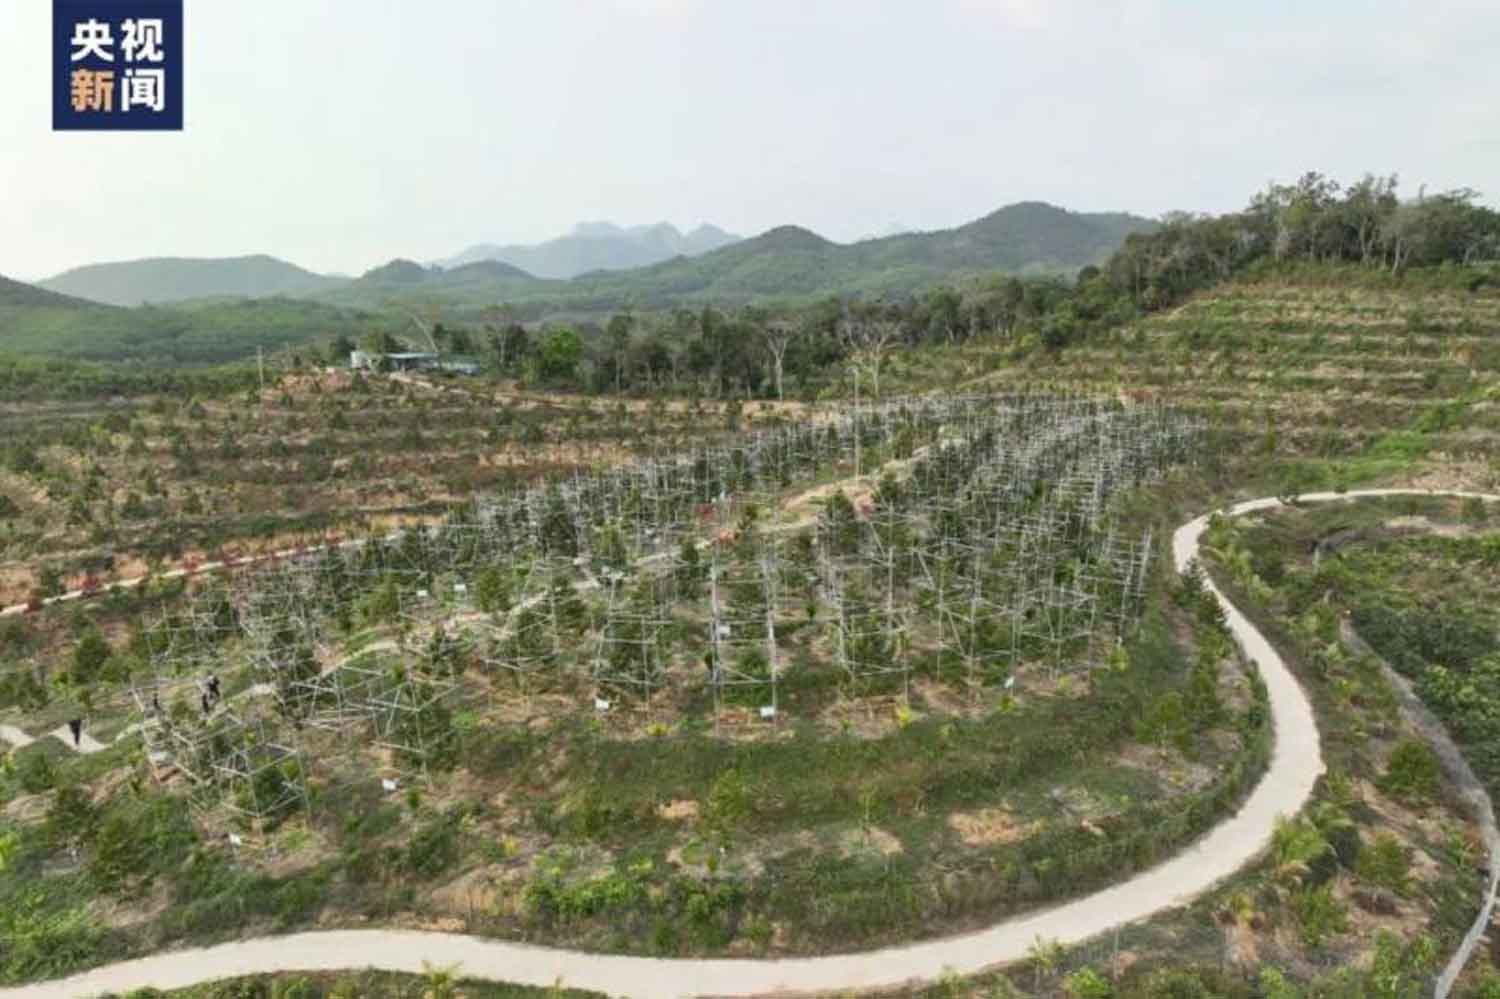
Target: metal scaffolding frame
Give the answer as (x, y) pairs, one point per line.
(989, 545)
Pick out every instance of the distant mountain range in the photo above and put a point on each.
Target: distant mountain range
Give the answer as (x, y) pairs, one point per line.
(591, 246)
(204, 311)
(176, 279)
(602, 266)
(784, 264)
(598, 246)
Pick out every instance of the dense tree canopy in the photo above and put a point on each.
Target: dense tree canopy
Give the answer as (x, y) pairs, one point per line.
(1315, 219)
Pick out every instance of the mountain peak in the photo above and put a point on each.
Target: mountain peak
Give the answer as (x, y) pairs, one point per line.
(1030, 210)
(599, 246)
(892, 229)
(488, 269)
(654, 229)
(596, 230)
(790, 237)
(398, 271)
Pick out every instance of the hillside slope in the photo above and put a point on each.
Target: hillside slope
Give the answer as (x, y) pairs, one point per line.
(18, 295)
(1026, 236)
(177, 279)
(1334, 376)
(210, 332)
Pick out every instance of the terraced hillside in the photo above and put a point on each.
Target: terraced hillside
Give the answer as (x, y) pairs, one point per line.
(685, 711)
(103, 488)
(1322, 384)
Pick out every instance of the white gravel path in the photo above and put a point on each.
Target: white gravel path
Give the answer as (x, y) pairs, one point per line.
(14, 736)
(86, 744)
(1296, 763)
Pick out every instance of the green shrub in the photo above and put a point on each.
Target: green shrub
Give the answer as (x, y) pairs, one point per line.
(381, 604)
(137, 839)
(1273, 985)
(296, 988)
(1344, 838)
(299, 899)
(72, 817)
(1400, 968)
(1086, 983)
(729, 801)
(16, 637)
(41, 943)
(1486, 986)
(34, 771)
(1413, 773)
(245, 988)
(1386, 863)
(589, 813)
(492, 589)
(275, 792)
(1320, 916)
(1165, 722)
(549, 895)
(89, 656)
(18, 687)
(1175, 983)
(433, 848)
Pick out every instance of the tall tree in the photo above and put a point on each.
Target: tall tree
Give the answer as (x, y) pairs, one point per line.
(340, 349)
(942, 308)
(1366, 207)
(559, 353)
(618, 331)
(497, 321)
(868, 338)
(777, 335)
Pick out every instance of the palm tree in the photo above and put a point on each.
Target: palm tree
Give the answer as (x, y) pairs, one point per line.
(441, 983)
(1239, 916)
(1239, 910)
(1295, 844)
(1045, 956)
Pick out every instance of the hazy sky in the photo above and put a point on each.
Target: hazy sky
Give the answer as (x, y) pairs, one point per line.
(341, 133)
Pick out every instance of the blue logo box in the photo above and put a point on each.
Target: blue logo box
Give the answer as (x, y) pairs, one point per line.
(117, 65)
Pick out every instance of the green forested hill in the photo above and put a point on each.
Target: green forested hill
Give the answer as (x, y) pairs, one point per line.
(785, 264)
(197, 333)
(19, 295)
(405, 282)
(789, 262)
(1024, 237)
(175, 279)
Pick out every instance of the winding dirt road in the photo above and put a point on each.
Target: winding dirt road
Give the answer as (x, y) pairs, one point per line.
(1296, 763)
